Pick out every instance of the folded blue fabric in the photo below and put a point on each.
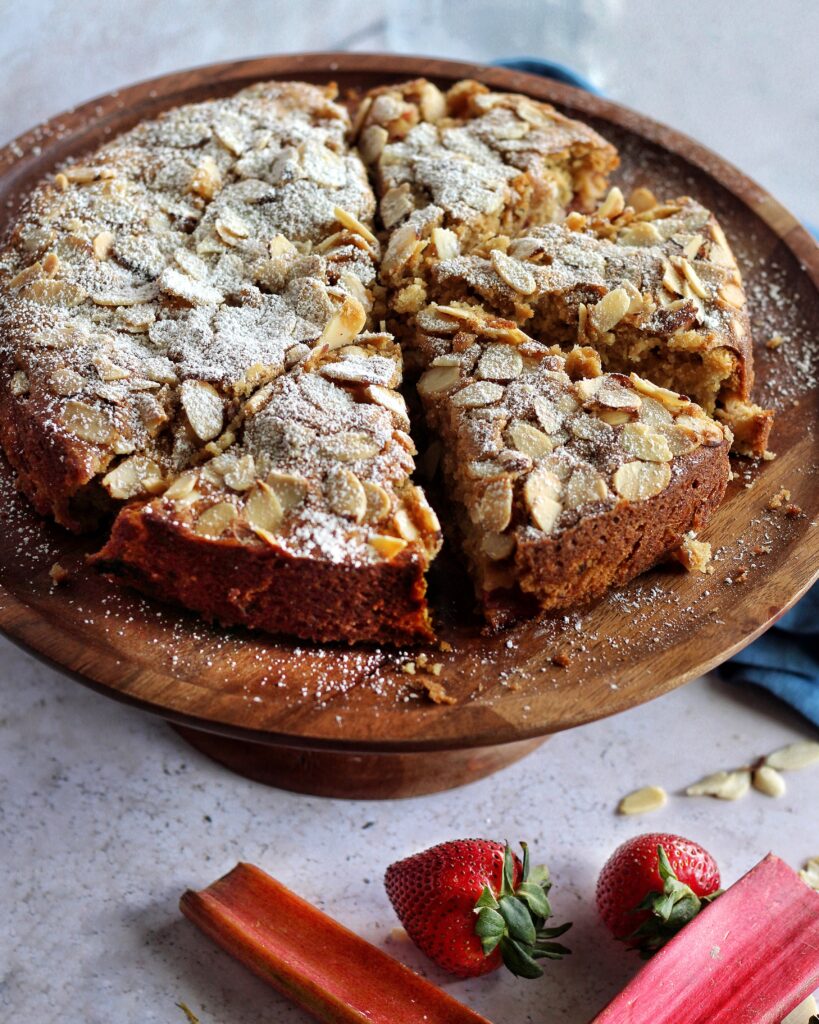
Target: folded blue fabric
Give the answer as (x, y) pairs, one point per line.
(786, 659)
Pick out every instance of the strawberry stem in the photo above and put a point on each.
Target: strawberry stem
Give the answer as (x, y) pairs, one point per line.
(513, 920)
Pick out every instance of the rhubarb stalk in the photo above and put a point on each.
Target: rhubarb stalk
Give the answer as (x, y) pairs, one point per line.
(749, 957)
(323, 967)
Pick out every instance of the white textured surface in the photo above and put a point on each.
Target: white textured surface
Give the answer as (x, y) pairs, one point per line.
(105, 816)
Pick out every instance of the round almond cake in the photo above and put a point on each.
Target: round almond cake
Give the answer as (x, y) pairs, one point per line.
(227, 334)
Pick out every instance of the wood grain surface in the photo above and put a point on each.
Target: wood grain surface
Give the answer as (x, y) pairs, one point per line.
(657, 633)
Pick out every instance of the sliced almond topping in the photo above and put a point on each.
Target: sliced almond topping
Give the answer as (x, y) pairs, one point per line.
(671, 279)
(87, 422)
(614, 417)
(182, 286)
(396, 204)
(610, 310)
(345, 325)
(549, 415)
(354, 224)
(432, 102)
(405, 526)
(182, 487)
(481, 393)
(514, 273)
(103, 243)
(51, 264)
(679, 442)
(670, 399)
(350, 446)
(242, 474)
(214, 521)
(378, 502)
(693, 246)
(49, 292)
(613, 205)
(230, 227)
(541, 493)
(494, 510)
(722, 785)
(227, 137)
(206, 179)
(642, 199)
(65, 381)
(500, 362)
(371, 143)
(794, 757)
(290, 490)
(203, 407)
(640, 440)
(526, 438)
(693, 279)
(733, 295)
(584, 486)
(497, 546)
(643, 801)
(446, 243)
(263, 510)
(389, 399)
(654, 413)
(641, 233)
(136, 475)
(637, 481)
(19, 383)
(345, 494)
(386, 546)
(702, 429)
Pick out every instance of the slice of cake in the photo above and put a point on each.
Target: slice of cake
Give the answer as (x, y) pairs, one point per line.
(308, 522)
(150, 288)
(562, 487)
(653, 287)
(457, 168)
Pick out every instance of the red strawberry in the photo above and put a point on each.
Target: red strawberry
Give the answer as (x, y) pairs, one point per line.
(652, 886)
(471, 905)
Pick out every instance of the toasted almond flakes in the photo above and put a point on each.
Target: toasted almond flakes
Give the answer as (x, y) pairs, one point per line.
(643, 801)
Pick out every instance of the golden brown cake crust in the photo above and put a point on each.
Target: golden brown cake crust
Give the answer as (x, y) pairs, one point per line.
(235, 584)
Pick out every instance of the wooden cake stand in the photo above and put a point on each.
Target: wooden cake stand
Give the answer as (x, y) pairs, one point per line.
(358, 722)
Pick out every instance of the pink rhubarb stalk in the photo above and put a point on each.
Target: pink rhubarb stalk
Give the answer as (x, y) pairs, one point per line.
(750, 957)
(310, 958)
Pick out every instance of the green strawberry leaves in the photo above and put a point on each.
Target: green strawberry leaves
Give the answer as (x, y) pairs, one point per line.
(514, 919)
(671, 909)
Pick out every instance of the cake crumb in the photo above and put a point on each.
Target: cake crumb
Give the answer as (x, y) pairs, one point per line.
(437, 692)
(693, 554)
(793, 511)
(445, 646)
(58, 573)
(561, 659)
(775, 342)
(779, 499)
(409, 668)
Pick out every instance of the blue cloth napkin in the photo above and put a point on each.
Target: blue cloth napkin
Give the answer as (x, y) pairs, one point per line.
(786, 659)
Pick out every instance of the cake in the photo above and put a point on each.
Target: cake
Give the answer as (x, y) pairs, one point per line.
(222, 333)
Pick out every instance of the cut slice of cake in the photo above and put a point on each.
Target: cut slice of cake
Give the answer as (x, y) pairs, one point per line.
(150, 288)
(308, 522)
(562, 487)
(654, 288)
(457, 168)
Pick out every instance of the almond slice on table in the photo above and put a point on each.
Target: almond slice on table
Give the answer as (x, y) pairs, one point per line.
(722, 785)
(643, 801)
(768, 781)
(794, 756)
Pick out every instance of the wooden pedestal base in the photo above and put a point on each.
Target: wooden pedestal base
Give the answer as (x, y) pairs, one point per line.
(351, 776)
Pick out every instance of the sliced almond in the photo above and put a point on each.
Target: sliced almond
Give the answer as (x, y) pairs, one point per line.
(541, 492)
(701, 429)
(615, 417)
(670, 399)
(610, 310)
(206, 179)
(263, 510)
(497, 546)
(693, 279)
(446, 243)
(638, 481)
(48, 292)
(102, 244)
(613, 205)
(181, 286)
(640, 233)
(396, 204)
(386, 546)
(19, 384)
(137, 475)
(432, 102)
(526, 438)
(214, 521)
(346, 495)
(500, 362)
(405, 526)
(227, 137)
(768, 781)
(65, 381)
(584, 487)
(494, 510)
(230, 227)
(242, 474)
(354, 225)
(378, 502)
(640, 440)
(722, 785)
(642, 199)
(654, 413)
(289, 489)
(182, 487)
(388, 399)
(87, 422)
(203, 408)
(371, 143)
(794, 756)
(643, 801)
(345, 325)
(549, 414)
(481, 393)
(810, 874)
(514, 273)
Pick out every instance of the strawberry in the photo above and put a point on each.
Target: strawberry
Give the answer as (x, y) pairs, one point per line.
(471, 905)
(652, 886)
